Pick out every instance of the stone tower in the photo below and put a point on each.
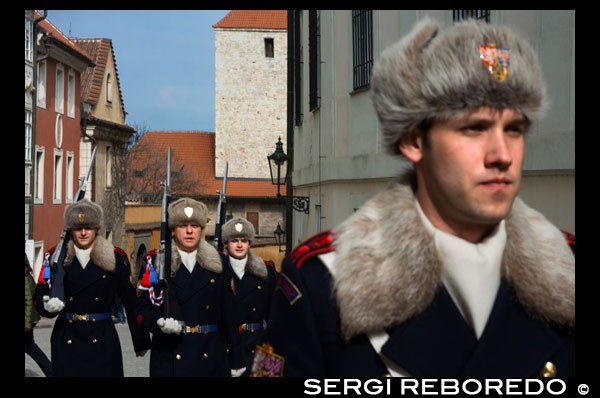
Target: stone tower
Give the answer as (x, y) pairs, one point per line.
(250, 90)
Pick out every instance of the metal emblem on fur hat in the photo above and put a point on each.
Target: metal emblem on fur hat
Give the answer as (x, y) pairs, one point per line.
(83, 214)
(237, 228)
(186, 211)
(433, 74)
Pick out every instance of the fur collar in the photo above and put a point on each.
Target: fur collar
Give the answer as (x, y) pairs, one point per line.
(102, 254)
(387, 269)
(255, 265)
(207, 256)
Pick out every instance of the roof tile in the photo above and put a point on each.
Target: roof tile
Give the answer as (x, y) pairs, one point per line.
(268, 19)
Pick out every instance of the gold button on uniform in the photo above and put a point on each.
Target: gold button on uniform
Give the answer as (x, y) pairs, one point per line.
(70, 298)
(208, 307)
(178, 356)
(205, 355)
(212, 281)
(549, 370)
(104, 276)
(96, 299)
(253, 309)
(94, 341)
(259, 287)
(69, 341)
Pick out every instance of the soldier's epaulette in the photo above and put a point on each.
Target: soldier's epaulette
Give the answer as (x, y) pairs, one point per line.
(269, 263)
(151, 253)
(316, 244)
(120, 251)
(569, 237)
(51, 250)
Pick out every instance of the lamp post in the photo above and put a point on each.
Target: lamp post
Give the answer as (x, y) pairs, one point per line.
(278, 233)
(278, 166)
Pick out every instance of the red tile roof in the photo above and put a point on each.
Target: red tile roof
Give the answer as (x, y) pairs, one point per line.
(92, 79)
(56, 33)
(196, 150)
(269, 19)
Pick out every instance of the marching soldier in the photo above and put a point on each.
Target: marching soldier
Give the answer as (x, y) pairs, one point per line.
(84, 340)
(447, 273)
(253, 282)
(209, 344)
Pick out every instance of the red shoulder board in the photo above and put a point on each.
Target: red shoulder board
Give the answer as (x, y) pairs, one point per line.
(120, 251)
(269, 263)
(151, 253)
(316, 244)
(51, 250)
(569, 237)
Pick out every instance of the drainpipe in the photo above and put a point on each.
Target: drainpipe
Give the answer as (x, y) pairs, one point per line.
(33, 119)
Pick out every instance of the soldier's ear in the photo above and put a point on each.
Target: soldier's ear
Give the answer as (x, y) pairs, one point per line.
(411, 146)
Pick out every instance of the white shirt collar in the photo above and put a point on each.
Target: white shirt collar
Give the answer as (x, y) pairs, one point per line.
(470, 271)
(83, 256)
(239, 266)
(188, 259)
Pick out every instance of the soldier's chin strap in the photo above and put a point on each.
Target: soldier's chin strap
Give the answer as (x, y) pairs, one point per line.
(377, 339)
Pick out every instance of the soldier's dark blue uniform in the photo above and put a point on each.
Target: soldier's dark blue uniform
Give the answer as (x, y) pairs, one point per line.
(253, 295)
(207, 302)
(91, 347)
(304, 328)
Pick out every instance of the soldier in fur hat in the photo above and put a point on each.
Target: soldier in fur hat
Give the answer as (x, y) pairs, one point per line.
(209, 344)
(253, 282)
(84, 340)
(447, 273)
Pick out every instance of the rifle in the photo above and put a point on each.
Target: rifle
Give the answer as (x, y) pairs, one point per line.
(171, 307)
(57, 288)
(221, 211)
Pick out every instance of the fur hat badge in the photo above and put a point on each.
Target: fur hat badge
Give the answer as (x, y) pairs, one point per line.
(83, 214)
(187, 211)
(433, 74)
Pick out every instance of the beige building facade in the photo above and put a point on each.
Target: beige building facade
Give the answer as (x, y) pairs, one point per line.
(250, 97)
(339, 158)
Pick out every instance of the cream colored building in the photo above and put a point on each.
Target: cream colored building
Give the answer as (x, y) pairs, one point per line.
(339, 159)
(250, 90)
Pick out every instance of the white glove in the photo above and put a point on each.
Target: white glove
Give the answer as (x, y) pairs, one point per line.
(168, 325)
(53, 304)
(237, 372)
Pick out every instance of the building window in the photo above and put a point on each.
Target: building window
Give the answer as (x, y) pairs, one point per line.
(70, 176)
(59, 105)
(108, 167)
(58, 131)
(28, 130)
(109, 88)
(71, 95)
(57, 184)
(362, 47)
(39, 175)
(314, 55)
(28, 40)
(459, 15)
(41, 91)
(269, 48)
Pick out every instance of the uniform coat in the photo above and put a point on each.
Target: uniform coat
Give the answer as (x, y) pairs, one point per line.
(205, 298)
(253, 294)
(383, 275)
(86, 348)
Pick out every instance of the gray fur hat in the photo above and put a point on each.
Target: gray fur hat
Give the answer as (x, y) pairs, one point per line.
(237, 227)
(83, 214)
(187, 211)
(433, 75)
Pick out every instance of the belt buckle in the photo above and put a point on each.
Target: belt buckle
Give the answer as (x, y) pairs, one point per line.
(195, 329)
(83, 317)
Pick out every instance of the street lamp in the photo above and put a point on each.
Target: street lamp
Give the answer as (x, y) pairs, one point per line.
(278, 233)
(278, 162)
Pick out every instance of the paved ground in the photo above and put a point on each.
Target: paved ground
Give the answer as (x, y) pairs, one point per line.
(133, 366)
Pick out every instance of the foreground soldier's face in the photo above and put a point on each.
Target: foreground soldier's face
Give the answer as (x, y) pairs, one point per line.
(469, 173)
(84, 238)
(187, 237)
